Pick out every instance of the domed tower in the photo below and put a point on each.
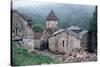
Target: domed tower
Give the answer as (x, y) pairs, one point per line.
(52, 21)
(51, 26)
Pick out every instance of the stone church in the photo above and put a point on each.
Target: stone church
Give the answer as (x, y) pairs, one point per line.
(53, 38)
(62, 40)
(22, 32)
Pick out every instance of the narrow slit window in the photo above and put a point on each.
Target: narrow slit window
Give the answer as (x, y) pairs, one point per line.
(63, 43)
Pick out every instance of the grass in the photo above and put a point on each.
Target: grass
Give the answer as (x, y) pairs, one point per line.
(21, 57)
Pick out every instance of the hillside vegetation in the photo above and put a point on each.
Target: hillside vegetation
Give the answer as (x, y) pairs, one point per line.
(21, 57)
(68, 14)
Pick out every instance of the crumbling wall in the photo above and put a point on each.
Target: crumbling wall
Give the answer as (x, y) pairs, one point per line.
(22, 32)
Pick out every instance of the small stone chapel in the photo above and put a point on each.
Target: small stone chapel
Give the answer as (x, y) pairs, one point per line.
(63, 40)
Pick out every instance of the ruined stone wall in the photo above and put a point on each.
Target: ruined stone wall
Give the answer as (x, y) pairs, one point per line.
(17, 26)
(28, 38)
(22, 32)
(28, 44)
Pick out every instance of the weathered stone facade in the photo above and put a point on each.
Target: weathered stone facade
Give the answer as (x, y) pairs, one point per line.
(61, 40)
(65, 40)
(37, 41)
(22, 31)
(51, 26)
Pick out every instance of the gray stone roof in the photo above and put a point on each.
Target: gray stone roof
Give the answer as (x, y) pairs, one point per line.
(74, 28)
(52, 16)
(82, 34)
(70, 31)
(76, 31)
(27, 18)
(19, 23)
(58, 31)
(73, 33)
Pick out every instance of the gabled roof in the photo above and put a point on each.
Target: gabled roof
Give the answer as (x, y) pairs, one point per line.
(76, 32)
(73, 33)
(52, 16)
(24, 17)
(81, 34)
(58, 31)
(27, 18)
(78, 35)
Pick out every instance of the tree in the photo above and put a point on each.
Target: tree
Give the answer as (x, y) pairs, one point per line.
(37, 28)
(93, 30)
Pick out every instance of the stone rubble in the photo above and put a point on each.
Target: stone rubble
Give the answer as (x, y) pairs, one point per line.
(79, 55)
(76, 55)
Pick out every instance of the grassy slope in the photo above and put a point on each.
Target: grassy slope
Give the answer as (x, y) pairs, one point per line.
(22, 57)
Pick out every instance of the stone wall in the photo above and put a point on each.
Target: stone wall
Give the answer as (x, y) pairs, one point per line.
(63, 42)
(28, 44)
(51, 24)
(58, 43)
(73, 42)
(52, 42)
(17, 25)
(22, 32)
(28, 37)
(37, 43)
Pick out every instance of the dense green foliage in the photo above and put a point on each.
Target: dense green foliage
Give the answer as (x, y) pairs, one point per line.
(68, 15)
(93, 30)
(38, 27)
(20, 56)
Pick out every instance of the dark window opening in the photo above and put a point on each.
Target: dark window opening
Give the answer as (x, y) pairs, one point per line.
(63, 43)
(16, 31)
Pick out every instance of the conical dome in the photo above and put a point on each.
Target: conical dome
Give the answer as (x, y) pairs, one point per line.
(52, 16)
